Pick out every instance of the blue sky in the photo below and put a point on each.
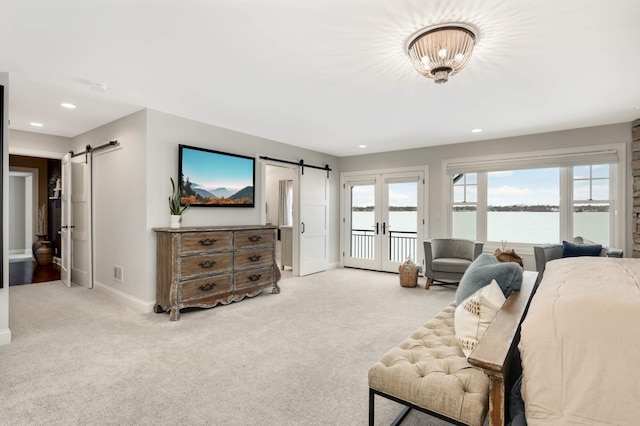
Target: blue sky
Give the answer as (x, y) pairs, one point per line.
(400, 194)
(211, 170)
(528, 187)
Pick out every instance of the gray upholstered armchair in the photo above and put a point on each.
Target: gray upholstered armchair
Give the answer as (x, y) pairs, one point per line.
(547, 252)
(446, 259)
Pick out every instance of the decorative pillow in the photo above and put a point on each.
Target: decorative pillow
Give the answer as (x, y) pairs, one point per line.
(484, 269)
(474, 315)
(575, 250)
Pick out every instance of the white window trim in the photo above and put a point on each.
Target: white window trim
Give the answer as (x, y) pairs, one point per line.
(534, 159)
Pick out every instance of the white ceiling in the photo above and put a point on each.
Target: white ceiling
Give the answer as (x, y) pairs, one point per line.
(325, 75)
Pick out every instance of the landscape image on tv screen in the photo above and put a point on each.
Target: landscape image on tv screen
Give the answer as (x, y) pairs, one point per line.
(215, 179)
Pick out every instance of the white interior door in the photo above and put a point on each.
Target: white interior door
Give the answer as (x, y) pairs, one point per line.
(66, 221)
(314, 221)
(81, 268)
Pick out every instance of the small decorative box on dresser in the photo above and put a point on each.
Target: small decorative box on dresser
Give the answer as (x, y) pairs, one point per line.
(204, 266)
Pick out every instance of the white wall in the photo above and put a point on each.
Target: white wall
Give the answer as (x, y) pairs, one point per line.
(5, 333)
(119, 208)
(165, 132)
(17, 185)
(433, 157)
(38, 145)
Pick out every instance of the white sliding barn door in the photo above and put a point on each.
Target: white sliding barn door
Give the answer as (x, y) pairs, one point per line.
(75, 233)
(314, 221)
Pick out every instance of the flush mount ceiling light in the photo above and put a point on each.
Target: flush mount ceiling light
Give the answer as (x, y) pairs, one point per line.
(441, 51)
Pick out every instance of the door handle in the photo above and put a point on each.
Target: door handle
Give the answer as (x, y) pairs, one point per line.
(302, 228)
(67, 227)
(377, 228)
(384, 228)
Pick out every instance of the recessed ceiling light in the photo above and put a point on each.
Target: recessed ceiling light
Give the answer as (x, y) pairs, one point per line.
(34, 124)
(67, 105)
(362, 146)
(476, 130)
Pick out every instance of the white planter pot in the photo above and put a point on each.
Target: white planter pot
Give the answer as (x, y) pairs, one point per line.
(175, 220)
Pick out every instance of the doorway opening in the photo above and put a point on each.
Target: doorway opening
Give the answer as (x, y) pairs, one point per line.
(280, 211)
(34, 215)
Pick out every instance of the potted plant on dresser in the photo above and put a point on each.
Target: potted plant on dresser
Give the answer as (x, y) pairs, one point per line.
(174, 205)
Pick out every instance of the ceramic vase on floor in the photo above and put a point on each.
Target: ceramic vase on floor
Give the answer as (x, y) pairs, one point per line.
(42, 250)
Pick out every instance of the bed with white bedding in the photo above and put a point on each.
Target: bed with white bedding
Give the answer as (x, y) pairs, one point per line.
(580, 344)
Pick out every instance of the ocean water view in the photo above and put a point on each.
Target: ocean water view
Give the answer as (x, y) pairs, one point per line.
(514, 227)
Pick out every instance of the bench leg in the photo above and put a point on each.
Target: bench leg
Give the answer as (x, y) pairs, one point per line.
(399, 419)
(371, 408)
(401, 416)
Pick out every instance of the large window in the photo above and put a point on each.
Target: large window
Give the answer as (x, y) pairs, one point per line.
(542, 198)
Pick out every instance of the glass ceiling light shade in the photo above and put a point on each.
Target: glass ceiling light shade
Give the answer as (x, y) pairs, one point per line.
(442, 51)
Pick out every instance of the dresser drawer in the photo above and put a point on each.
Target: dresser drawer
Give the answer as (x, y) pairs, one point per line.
(254, 278)
(252, 258)
(254, 238)
(214, 263)
(207, 241)
(206, 287)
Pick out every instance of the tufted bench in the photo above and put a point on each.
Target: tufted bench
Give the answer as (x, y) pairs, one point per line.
(429, 372)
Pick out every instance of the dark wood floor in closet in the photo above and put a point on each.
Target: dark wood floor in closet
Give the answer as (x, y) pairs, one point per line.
(31, 273)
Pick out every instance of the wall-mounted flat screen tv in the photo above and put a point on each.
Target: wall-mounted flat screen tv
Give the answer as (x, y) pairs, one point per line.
(216, 179)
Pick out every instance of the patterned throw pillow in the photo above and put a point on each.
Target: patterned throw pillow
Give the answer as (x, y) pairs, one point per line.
(474, 315)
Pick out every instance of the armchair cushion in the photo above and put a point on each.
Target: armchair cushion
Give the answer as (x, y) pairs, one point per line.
(575, 250)
(485, 269)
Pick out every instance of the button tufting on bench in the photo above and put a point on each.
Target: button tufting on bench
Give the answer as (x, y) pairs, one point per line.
(430, 370)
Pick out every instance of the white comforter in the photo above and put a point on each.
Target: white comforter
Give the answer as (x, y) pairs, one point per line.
(580, 344)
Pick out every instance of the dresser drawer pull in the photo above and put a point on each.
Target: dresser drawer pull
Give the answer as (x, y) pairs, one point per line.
(207, 264)
(255, 238)
(255, 277)
(207, 286)
(255, 257)
(208, 241)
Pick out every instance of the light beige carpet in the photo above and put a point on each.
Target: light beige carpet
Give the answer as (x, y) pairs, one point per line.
(296, 358)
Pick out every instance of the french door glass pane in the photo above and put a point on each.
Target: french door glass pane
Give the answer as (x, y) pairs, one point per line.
(363, 222)
(403, 221)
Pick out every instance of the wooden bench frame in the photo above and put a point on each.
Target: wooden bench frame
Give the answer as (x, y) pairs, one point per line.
(496, 354)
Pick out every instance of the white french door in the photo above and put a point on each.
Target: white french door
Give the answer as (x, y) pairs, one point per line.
(383, 218)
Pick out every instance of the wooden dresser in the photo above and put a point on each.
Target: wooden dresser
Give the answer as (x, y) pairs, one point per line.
(205, 266)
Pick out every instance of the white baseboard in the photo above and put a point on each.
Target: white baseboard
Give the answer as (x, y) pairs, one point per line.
(144, 306)
(5, 337)
(334, 265)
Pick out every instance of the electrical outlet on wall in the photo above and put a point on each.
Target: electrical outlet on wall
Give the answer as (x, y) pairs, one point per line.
(118, 273)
